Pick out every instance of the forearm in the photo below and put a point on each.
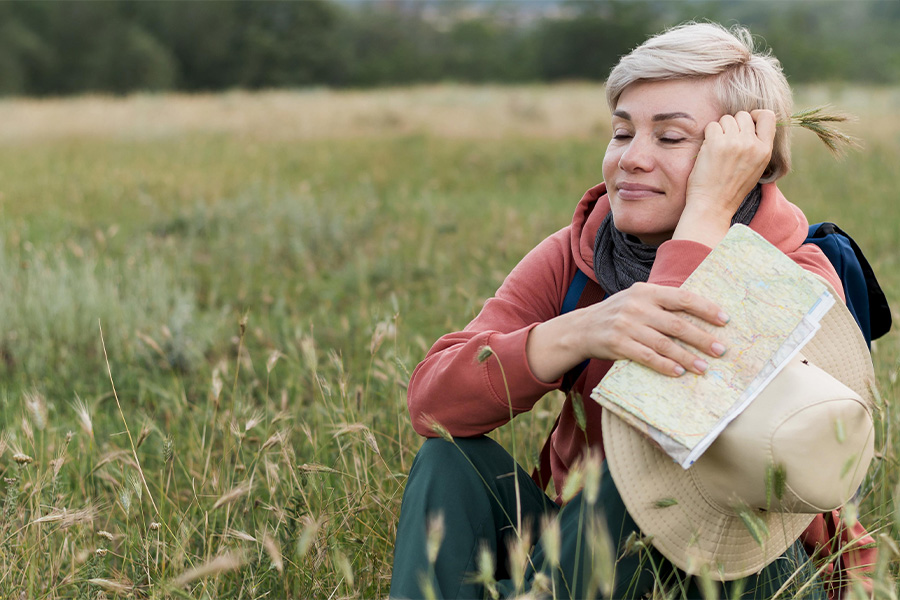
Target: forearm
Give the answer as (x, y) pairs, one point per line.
(471, 397)
(555, 346)
(704, 227)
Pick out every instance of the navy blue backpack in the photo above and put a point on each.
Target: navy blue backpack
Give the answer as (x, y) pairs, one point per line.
(865, 300)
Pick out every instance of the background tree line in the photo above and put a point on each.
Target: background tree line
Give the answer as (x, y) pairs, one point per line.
(74, 46)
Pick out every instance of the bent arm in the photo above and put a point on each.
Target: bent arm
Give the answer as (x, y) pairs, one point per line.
(468, 397)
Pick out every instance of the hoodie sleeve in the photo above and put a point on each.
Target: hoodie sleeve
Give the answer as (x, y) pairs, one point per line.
(468, 396)
(677, 259)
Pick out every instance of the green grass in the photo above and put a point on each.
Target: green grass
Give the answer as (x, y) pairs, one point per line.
(348, 256)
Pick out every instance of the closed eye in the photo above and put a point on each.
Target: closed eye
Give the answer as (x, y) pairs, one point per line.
(670, 140)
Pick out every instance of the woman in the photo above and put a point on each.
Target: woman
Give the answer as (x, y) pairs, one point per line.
(695, 148)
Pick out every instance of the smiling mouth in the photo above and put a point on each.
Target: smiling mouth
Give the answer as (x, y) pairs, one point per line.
(636, 191)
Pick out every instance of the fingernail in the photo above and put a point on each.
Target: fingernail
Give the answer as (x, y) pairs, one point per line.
(718, 348)
(679, 370)
(723, 316)
(701, 365)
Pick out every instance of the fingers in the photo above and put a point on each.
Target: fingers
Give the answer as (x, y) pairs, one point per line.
(670, 325)
(661, 353)
(651, 329)
(675, 299)
(650, 358)
(766, 125)
(758, 123)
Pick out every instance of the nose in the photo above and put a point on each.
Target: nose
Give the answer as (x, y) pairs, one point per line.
(637, 155)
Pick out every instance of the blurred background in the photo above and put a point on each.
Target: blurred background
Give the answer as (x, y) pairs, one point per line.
(70, 47)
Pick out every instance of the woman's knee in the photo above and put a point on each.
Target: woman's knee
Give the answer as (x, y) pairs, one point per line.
(459, 449)
(463, 464)
(476, 469)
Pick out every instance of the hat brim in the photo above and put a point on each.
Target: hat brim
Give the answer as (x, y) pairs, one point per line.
(667, 505)
(686, 528)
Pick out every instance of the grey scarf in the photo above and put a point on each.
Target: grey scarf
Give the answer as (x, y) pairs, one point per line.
(621, 259)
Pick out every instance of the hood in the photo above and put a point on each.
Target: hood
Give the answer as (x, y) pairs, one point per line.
(777, 220)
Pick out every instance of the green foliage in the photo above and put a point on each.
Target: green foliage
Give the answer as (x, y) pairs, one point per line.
(65, 47)
(588, 44)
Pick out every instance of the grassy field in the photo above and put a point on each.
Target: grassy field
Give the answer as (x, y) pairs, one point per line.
(211, 306)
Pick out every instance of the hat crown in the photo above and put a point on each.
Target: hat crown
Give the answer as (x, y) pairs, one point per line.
(802, 446)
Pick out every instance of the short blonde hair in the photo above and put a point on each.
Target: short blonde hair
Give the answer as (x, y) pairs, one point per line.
(744, 79)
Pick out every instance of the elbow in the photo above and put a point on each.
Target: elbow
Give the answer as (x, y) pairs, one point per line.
(420, 413)
(419, 418)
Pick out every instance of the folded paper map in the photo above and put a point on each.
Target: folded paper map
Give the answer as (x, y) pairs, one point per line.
(775, 308)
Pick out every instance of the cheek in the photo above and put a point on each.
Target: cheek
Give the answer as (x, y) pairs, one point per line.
(681, 172)
(610, 163)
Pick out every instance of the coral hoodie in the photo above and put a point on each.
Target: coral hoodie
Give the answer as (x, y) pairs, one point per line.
(470, 398)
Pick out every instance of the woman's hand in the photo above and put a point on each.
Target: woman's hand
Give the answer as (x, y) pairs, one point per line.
(734, 154)
(638, 324)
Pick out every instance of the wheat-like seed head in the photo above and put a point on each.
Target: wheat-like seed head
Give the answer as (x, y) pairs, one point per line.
(820, 120)
(84, 416)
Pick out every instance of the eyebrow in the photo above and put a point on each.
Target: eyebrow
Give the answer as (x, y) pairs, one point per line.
(660, 117)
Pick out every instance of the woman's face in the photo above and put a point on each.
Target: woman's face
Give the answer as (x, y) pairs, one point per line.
(657, 130)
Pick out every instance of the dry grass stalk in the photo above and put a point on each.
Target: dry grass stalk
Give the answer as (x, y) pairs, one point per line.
(368, 436)
(67, 518)
(37, 407)
(27, 431)
(273, 358)
(274, 439)
(220, 564)
(124, 421)
(144, 434)
(309, 534)
(343, 566)
(109, 585)
(315, 468)
(151, 343)
(274, 552)
(123, 456)
(232, 495)
(603, 552)
(439, 429)
(239, 535)
(84, 416)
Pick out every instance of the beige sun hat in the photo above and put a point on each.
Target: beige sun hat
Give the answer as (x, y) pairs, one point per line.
(801, 448)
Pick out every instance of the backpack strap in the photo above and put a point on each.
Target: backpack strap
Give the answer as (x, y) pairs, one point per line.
(865, 298)
(582, 292)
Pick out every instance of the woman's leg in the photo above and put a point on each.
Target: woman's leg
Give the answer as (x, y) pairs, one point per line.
(580, 555)
(469, 482)
(638, 573)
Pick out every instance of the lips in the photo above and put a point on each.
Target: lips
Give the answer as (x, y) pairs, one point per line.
(636, 191)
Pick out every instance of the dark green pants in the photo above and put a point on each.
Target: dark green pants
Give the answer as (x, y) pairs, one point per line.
(470, 483)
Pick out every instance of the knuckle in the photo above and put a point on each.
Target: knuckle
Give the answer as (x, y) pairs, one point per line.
(678, 327)
(641, 287)
(663, 345)
(645, 355)
(685, 299)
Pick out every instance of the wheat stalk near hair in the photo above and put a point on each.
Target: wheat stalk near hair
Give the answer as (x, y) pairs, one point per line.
(821, 121)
